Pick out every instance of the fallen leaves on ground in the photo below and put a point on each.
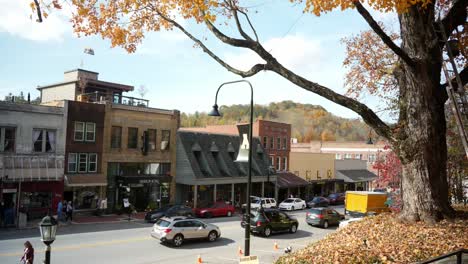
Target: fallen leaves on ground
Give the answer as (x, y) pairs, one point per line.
(383, 239)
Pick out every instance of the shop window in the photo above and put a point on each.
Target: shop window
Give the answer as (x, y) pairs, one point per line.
(358, 156)
(90, 132)
(132, 138)
(36, 199)
(92, 162)
(278, 163)
(347, 156)
(165, 139)
(116, 137)
(152, 139)
(72, 162)
(371, 157)
(43, 140)
(82, 162)
(79, 131)
(165, 168)
(265, 142)
(278, 143)
(7, 139)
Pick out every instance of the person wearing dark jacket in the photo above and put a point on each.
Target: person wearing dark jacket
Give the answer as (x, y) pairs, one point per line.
(28, 255)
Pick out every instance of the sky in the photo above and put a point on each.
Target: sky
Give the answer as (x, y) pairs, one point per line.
(176, 74)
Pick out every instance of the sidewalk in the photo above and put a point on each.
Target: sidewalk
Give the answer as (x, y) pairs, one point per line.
(111, 218)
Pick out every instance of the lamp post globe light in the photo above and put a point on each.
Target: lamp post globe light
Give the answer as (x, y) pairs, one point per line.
(48, 227)
(215, 112)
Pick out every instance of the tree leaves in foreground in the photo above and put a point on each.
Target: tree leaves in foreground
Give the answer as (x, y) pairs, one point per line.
(384, 239)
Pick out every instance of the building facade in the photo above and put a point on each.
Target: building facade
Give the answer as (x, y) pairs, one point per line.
(85, 181)
(32, 148)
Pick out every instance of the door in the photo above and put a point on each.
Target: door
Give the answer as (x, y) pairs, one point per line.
(284, 221)
(197, 229)
(333, 216)
(274, 219)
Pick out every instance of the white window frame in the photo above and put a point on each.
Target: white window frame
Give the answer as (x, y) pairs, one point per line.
(338, 156)
(86, 132)
(82, 131)
(79, 163)
(348, 156)
(372, 157)
(89, 162)
(285, 140)
(265, 142)
(358, 156)
(272, 160)
(278, 163)
(278, 142)
(285, 163)
(74, 162)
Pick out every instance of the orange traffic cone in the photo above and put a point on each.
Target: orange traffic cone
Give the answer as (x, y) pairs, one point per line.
(199, 260)
(275, 246)
(240, 252)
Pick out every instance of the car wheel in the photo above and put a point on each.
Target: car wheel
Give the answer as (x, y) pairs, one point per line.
(267, 231)
(325, 224)
(178, 240)
(292, 208)
(293, 229)
(208, 215)
(212, 236)
(229, 213)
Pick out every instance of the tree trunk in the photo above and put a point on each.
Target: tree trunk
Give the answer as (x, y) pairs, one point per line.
(421, 133)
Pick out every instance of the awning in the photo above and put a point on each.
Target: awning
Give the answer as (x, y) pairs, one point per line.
(289, 180)
(146, 179)
(77, 180)
(356, 175)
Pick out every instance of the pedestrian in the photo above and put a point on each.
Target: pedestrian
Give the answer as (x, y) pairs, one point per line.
(28, 255)
(59, 211)
(2, 214)
(69, 211)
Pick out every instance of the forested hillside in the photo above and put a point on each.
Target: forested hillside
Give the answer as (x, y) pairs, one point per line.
(309, 122)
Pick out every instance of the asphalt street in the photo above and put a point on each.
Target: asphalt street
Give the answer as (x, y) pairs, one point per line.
(131, 243)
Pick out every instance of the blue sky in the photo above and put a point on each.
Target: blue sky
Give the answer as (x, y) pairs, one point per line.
(176, 74)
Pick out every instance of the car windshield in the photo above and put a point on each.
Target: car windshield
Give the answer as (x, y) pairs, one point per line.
(316, 199)
(315, 211)
(333, 195)
(162, 223)
(288, 201)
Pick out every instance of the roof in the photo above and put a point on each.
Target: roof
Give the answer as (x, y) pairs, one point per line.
(209, 155)
(25, 107)
(356, 175)
(288, 179)
(94, 83)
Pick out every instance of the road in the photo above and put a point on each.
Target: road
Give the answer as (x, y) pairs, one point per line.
(131, 243)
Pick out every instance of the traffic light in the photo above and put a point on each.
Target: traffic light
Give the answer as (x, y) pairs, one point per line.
(145, 145)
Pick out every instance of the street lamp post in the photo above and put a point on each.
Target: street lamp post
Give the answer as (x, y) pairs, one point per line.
(48, 227)
(215, 112)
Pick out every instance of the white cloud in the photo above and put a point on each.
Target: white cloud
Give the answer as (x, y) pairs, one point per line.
(296, 52)
(14, 19)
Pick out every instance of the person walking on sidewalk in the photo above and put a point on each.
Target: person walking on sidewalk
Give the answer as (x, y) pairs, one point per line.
(28, 255)
(69, 211)
(59, 211)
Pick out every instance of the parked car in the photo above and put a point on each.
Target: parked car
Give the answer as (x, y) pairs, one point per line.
(177, 229)
(323, 217)
(267, 221)
(169, 210)
(336, 198)
(260, 202)
(318, 201)
(292, 204)
(217, 209)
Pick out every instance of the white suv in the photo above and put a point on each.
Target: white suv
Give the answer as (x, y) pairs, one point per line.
(257, 202)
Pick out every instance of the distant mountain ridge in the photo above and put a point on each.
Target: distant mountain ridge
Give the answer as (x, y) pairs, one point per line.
(309, 122)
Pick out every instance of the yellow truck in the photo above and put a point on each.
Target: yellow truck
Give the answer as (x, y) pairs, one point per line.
(363, 203)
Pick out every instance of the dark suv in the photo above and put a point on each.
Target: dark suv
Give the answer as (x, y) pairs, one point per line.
(169, 210)
(323, 217)
(267, 221)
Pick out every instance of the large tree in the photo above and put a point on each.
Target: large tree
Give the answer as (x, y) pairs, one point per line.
(418, 138)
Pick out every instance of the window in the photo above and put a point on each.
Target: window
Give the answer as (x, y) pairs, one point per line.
(318, 175)
(272, 143)
(72, 162)
(92, 162)
(371, 157)
(278, 163)
(116, 137)
(338, 156)
(82, 162)
(272, 160)
(265, 142)
(90, 132)
(43, 140)
(152, 139)
(358, 156)
(7, 139)
(347, 156)
(285, 163)
(165, 139)
(285, 143)
(79, 131)
(132, 138)
(278, 143)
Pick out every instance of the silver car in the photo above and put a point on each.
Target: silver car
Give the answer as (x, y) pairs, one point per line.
(176, 230)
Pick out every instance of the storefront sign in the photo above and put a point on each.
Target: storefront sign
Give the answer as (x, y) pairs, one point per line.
(9, 191)
(143, 181)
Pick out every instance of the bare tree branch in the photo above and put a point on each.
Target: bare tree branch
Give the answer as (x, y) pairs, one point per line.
(38, 10)
(250, 23)
(385, 38)
(254, 70)
(234, 11)
(455, 17)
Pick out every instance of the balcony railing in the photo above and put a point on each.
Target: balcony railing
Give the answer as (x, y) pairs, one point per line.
(31, 167)
(97, 97)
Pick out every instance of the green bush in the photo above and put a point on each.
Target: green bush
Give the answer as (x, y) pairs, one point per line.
(151, 206)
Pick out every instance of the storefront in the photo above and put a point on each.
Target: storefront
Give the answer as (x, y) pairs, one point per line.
(84, 190)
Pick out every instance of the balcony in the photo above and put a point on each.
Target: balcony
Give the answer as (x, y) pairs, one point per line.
(97, 97)
(31, 167)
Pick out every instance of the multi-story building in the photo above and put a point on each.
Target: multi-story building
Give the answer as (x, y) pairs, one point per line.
(275, 138)
(32, 147)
